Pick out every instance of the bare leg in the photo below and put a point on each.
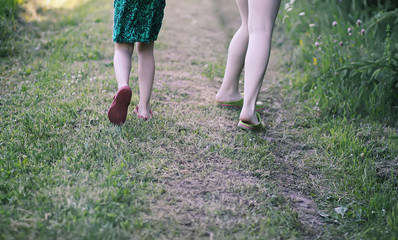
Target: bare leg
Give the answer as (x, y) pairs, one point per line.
(229, 90)
(262, 14)
(117, 112)
(146, 72)
(122, 63)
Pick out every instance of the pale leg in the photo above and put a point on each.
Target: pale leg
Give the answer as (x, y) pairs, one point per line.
(146, 74)
(262, 14)
(122, 63)
(229, 90)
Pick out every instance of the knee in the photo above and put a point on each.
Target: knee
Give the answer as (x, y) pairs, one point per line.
(244, 28)
(260, 28)
(126, 47)
(145, 48)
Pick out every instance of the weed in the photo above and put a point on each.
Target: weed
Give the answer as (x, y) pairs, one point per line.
(213, 70)
(353, 62)
(344, 69)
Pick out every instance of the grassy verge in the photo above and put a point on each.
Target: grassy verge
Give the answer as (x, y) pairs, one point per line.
(356, 184)
(64, 172)
(8, 25)
(345, 82)
(349, 56)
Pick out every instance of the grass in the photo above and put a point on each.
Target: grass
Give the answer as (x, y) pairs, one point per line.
(359, 195)
(349, 51)
(63, 173)
(8, 23)
(341, 88)
(66, 172)
(189, 173)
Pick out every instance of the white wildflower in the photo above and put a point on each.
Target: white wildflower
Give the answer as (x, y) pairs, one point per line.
(287, 5)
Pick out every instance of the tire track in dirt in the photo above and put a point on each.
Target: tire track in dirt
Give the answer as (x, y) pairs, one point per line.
(198, 187)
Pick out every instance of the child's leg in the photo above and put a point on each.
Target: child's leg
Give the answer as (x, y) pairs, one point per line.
(117, 112)
(229, 90)
(146, 72)
(262, 14)
(122, 63)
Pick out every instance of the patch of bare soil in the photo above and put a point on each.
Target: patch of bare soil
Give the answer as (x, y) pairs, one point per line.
(202, 193)
(199, 192)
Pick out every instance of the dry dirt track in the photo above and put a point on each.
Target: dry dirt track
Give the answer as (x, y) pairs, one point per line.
(196, 33)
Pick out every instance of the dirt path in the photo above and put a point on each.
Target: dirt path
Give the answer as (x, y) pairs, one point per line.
(202, 189)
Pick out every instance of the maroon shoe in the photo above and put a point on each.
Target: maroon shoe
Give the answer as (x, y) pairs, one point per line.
(117, 113)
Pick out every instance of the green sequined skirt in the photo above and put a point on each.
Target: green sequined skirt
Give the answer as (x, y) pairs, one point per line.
(137, 20)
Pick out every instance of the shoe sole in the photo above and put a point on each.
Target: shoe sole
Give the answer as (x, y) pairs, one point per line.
(237, 106)
(248, 126)
(117, 113)
(253, 128)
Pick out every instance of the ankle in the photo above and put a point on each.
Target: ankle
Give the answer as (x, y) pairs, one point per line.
(119, 86)
(144, 108)
(248, 117)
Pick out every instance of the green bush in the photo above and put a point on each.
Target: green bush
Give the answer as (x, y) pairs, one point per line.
(348, 51)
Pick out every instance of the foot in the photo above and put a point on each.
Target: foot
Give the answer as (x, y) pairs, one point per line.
(117, 112)
(249, 118)
(144, 115)
(237, 103)
(233, 97)
(250, 126)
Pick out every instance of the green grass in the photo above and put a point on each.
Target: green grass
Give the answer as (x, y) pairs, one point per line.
(66, 172)
(8, 24)
(349, 56)
(348, 111)
(359, 193)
